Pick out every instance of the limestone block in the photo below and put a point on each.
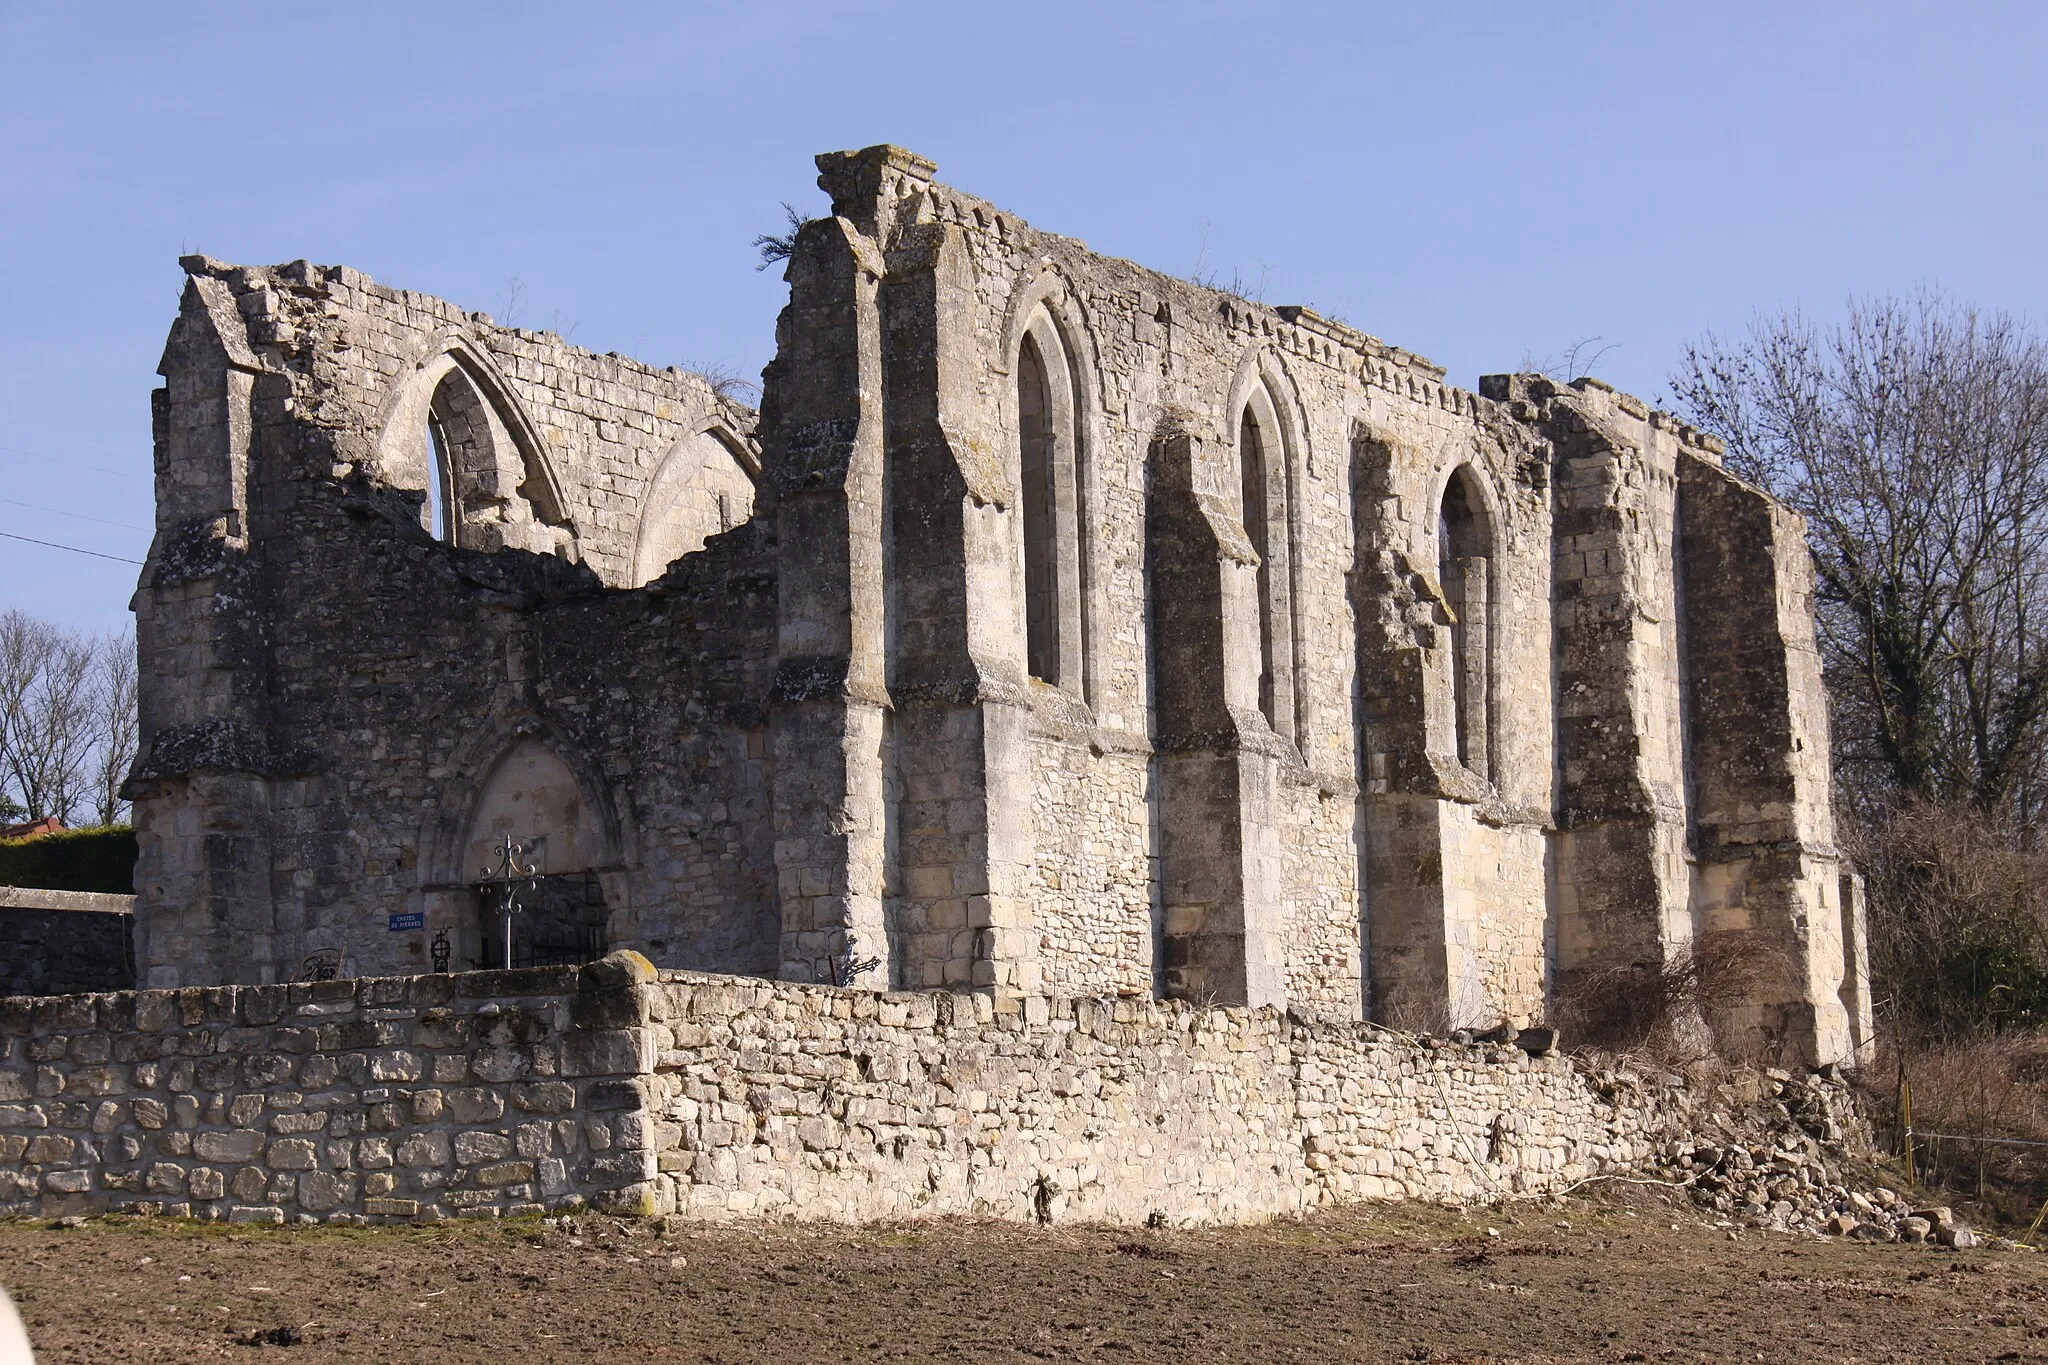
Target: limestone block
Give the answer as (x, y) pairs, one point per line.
(293, 1154)
(50, 1147)
(503, 1173)
(320, 1192)
(474, 1147)
(476, 1104)
(541, 1097)
(424, 1150)
(240, 1145)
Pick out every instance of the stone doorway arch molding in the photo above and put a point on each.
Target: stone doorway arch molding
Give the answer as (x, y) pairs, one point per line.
(1047, 312)
(501, 486)
(691, 494)
(454, 856)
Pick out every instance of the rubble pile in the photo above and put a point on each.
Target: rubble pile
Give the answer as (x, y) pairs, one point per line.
(1795, 1165)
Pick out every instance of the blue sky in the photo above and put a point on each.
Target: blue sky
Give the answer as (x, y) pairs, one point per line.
(1477, 182)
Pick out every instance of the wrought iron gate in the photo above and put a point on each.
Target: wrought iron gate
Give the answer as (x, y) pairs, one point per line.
(560, 920)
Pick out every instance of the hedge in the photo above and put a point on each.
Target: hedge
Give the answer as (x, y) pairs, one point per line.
(72, 860)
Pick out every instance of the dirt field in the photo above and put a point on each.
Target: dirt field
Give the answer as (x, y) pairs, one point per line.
(1578, 1281)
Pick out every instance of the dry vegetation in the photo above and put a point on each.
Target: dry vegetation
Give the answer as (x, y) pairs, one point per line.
(1913, 436)
(1664, 1015)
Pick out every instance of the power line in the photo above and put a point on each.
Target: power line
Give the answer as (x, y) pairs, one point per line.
(51, 544)
(71, 464)
(60, 512)
(53, 436)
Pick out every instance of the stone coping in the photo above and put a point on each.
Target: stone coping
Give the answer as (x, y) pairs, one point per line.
(44, 898)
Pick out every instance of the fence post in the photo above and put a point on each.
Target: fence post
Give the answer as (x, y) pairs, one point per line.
(1906, 1120)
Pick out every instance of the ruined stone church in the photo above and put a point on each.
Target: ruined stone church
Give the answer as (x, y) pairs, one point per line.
(1055, 626)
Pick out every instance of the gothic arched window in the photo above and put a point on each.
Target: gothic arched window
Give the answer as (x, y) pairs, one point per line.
(1048, 447)
(440, 514)
(704, 486)
(458, 435)
(464, 441)
(1264, 482)
(1464, 564)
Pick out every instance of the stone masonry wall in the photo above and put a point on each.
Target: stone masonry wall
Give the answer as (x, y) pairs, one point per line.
(496, 1093)
(52, 942)
(485, 1092)
(333, 691)
(1056, 627)
(811, 1102)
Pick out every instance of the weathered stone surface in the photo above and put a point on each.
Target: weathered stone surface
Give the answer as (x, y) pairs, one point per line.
(1057, 625)
(478, 1105)
(471, 1148)
(55, 942)
(321, 1192)
(839, 1103)
(239, 1145)
(292, 1154)
(503, 1173)
(547, 1097)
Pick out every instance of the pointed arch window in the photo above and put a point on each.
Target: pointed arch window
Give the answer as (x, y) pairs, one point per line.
(440, 515)
(1048, 467)
(470, 456)
(1267, 503)
(703, 487)
(458, 435)
(1464, 568)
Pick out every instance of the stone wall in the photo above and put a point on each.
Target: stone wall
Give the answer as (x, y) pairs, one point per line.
(490, 1091)
(340, 701)
(497, 1093)
(56, 942)
(1080, 629)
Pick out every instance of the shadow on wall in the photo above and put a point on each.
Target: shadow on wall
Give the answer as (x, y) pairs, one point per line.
(704, 487)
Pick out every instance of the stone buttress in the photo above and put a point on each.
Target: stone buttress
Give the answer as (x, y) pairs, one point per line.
(1056, 626)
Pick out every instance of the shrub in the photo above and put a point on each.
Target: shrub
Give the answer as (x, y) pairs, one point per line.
(1667, 1013)
(101, 859)
(1966, 1094)
(1958, 922)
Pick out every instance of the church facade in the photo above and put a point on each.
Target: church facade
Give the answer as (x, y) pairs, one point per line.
(1054, 626)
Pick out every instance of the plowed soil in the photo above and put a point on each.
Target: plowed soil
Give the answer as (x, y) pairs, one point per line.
(1612, 1280)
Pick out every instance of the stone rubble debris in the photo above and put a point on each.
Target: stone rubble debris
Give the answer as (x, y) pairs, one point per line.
(1797, 1172)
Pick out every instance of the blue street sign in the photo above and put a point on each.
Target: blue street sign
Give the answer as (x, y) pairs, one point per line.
(400, 923)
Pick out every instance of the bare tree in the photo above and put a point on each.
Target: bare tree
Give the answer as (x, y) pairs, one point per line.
(1575, 361)
(114, 703)
(49, 724)
(1913, 436)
